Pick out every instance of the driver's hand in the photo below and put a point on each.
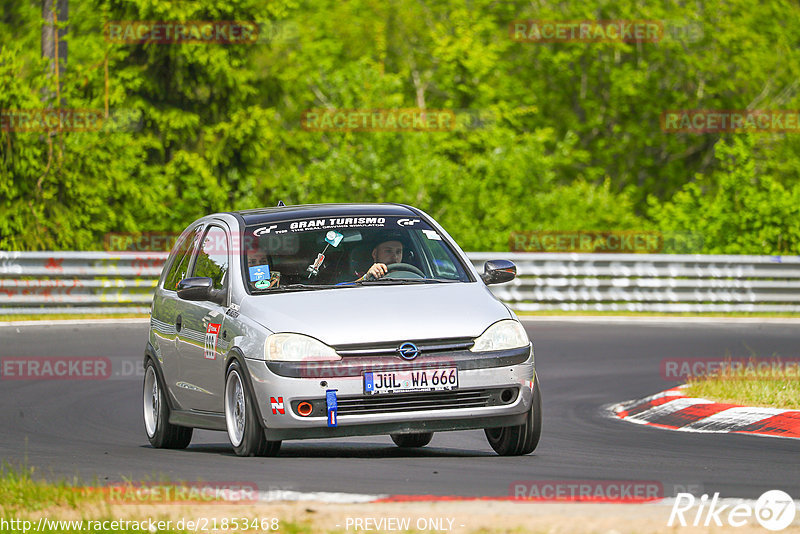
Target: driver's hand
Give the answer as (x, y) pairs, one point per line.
(376, 271)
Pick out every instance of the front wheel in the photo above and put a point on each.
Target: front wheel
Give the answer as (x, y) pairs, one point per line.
(520, 439)
(160, 432)
(417, 439)
(241, 418)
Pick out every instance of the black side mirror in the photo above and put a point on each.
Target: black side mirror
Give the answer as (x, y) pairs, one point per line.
(498, 271)
(196, 289)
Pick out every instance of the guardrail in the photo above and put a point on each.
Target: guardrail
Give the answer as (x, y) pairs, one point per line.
(105, 283)
(650, 282)
(78, 282)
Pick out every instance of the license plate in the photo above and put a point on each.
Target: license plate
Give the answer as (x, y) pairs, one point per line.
(376, 383)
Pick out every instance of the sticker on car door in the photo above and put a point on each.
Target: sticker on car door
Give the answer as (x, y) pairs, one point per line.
(210, 345)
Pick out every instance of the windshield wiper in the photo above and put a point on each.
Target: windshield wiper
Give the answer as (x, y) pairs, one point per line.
(402, 281)
(300, 287)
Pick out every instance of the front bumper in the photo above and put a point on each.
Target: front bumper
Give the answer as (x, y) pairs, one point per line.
(487, 396)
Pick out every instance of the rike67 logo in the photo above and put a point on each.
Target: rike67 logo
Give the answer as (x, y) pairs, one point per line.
(774, 510)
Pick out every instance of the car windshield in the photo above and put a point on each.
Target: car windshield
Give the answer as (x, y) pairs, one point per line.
(334, 252)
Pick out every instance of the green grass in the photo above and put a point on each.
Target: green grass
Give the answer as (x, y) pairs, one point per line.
(24, 497)
(750, 387)
(20, 492)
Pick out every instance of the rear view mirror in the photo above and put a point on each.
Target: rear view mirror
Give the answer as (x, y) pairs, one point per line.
(498, 272)
(197, 289)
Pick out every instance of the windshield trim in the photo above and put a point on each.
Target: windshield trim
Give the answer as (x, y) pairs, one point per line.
(454, 251)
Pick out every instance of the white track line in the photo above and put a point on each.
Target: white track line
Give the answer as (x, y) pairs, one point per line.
(320, 496)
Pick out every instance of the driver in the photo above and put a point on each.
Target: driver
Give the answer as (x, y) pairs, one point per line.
(385, 253)
(257, 257)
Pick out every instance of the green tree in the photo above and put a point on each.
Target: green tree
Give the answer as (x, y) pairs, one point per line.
(736, 210)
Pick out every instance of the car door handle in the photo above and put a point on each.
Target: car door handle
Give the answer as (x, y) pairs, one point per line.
(178, 323)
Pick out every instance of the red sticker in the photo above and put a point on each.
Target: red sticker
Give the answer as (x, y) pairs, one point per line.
(277, 406)
(210, 346)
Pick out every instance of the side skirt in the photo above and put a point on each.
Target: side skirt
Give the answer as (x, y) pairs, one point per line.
(206, 421)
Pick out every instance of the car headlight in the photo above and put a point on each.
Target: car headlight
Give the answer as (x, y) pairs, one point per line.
(507, 334)
(297, 348)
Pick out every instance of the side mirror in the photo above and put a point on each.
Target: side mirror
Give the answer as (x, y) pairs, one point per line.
(498, 272)
(196, 289)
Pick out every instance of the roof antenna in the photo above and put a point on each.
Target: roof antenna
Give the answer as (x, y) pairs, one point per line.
(281, 204)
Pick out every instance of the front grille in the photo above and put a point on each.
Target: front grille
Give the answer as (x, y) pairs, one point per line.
(409, 402)
(428, 346)
(371, 404)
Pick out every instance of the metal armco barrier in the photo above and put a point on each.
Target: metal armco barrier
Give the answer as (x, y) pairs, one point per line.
(649, 282)
(78, 282)
(104, 283)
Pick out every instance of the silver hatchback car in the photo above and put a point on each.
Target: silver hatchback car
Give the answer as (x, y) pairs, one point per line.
(330, 320)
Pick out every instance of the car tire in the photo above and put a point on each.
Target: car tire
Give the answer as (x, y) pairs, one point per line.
(245, 431)
(409, 441)
(520, 439)
(160, 433)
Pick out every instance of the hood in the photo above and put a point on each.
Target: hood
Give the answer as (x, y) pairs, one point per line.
(372, 314)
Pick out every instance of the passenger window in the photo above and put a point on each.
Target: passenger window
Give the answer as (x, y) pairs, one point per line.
(183, 253)
(212, 261)
(444, 262)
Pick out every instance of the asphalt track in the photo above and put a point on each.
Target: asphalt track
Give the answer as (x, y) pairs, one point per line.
(92, 429)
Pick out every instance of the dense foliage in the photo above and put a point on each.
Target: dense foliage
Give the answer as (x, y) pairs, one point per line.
(556, 136)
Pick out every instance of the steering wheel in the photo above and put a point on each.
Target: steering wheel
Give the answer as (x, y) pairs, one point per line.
(403, 267)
